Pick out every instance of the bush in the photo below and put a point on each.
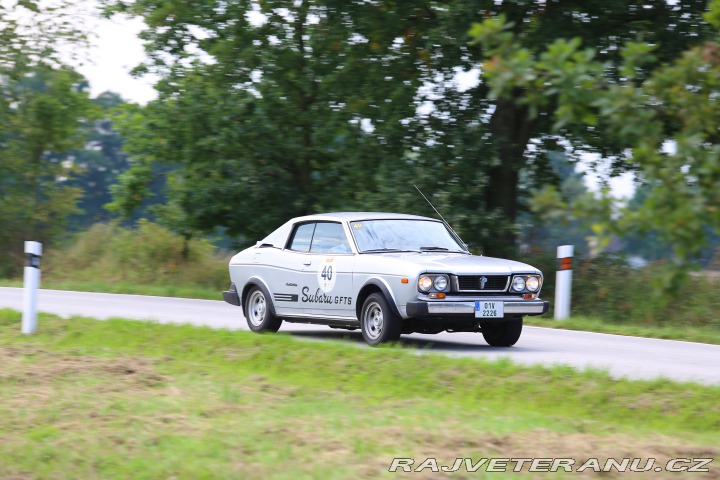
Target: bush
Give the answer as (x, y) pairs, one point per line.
(608, 288)
(148, 255)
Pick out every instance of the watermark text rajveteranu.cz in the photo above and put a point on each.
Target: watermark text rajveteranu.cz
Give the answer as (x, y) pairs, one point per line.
(551, 465)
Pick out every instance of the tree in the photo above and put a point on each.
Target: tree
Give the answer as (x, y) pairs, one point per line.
(274, 115)
(640, 109)
(97, 164)
(42, 109)
(270, 112)
(495, 146)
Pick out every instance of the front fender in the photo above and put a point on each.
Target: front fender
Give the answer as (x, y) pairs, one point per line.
(382, 285)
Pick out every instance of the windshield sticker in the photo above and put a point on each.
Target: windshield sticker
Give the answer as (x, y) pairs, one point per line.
(326, 275)
(357, 226)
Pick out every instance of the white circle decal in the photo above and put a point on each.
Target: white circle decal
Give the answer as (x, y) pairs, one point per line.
(326, 275)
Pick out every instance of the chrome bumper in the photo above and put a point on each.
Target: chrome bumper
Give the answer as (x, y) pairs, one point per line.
(512, 307)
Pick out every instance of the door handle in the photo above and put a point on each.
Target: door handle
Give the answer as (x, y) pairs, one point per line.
(307, 264)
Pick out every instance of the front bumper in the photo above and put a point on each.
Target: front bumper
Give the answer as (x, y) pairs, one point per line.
(512, 307)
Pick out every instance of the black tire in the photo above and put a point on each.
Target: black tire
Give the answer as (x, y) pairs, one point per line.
(504, 333)
(258, 312)
(377, 322)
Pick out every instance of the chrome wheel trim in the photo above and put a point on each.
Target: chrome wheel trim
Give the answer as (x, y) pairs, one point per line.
(373, 320)
(257, 308)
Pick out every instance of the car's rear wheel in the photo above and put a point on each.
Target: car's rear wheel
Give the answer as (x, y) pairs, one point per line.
(502, 334)
(377, 322)
(258, 312)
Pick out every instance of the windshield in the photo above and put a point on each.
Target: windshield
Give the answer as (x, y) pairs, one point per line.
(403, 235)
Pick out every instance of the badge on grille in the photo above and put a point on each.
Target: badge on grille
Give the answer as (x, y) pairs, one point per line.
(483, 281)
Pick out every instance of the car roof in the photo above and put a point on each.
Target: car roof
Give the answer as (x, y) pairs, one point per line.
(356, 216)
(279, 237)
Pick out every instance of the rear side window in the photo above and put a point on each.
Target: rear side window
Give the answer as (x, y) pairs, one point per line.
(302, 237)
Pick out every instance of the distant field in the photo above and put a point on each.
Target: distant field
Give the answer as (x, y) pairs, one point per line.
(124, 399)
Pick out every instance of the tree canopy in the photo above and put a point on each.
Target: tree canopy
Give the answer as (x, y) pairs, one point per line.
(43, 109)
(658, 119)
(276, 108)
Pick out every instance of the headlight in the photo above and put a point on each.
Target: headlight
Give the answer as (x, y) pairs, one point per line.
(532, 284)
(518, 284)
(425, 283)
(440, 283)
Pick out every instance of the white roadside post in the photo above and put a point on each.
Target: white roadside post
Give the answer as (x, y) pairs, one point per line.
(563, 282)
(33, 252)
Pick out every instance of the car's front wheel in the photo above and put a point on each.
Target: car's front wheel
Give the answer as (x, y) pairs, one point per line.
(377, 322)
(502, 334)
(258, 312)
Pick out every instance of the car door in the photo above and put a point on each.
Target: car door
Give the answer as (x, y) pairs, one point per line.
(287, 280)
(327, 273)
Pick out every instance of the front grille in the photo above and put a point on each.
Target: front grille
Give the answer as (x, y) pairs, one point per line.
(496, 283)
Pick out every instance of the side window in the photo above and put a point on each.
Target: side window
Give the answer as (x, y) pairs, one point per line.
(302, 237)
(329, 238)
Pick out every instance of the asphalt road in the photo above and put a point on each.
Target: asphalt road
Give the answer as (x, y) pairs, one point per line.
(631, 357)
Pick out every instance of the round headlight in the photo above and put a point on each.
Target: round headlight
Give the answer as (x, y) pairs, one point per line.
(532, 284)
(440, 283)
(424, 283)
(518, 284)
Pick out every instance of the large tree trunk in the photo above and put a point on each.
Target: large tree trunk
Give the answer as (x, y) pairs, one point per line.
(510, 127)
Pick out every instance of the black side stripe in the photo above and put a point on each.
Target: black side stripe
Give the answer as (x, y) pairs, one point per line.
(285, 297)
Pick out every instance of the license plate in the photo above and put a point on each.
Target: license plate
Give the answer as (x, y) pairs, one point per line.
(489, 309)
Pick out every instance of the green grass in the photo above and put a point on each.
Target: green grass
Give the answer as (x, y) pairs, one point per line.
(701, 334)
(124, 399)
(182, 291)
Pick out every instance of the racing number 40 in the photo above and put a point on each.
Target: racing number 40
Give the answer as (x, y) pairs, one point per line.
(327, 273)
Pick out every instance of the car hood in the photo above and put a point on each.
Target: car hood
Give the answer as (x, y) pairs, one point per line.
(457, 263)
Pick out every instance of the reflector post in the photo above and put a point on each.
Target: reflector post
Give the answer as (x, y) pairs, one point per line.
(33, 252)
(563, 282)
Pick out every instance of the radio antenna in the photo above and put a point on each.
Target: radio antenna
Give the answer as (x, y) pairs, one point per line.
(433, 206)
(439, 214)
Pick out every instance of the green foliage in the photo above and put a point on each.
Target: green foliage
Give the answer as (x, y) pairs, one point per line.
(42, 108)
(44, 113)
(274, 122)
(608, 289)
(97, 164)
(146, 255)
(640, 110)
(268, 114)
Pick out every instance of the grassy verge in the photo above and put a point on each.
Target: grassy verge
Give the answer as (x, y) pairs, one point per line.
(124, 399)
(182, 291)
(702, 334)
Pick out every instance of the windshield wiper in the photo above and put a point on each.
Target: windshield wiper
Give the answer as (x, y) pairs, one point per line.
(441, 249)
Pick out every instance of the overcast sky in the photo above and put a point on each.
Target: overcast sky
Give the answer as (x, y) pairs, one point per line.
(115, 50)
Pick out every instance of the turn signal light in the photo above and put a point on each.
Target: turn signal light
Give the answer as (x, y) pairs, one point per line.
(436, 295)
(529, 296)
(404, 280)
